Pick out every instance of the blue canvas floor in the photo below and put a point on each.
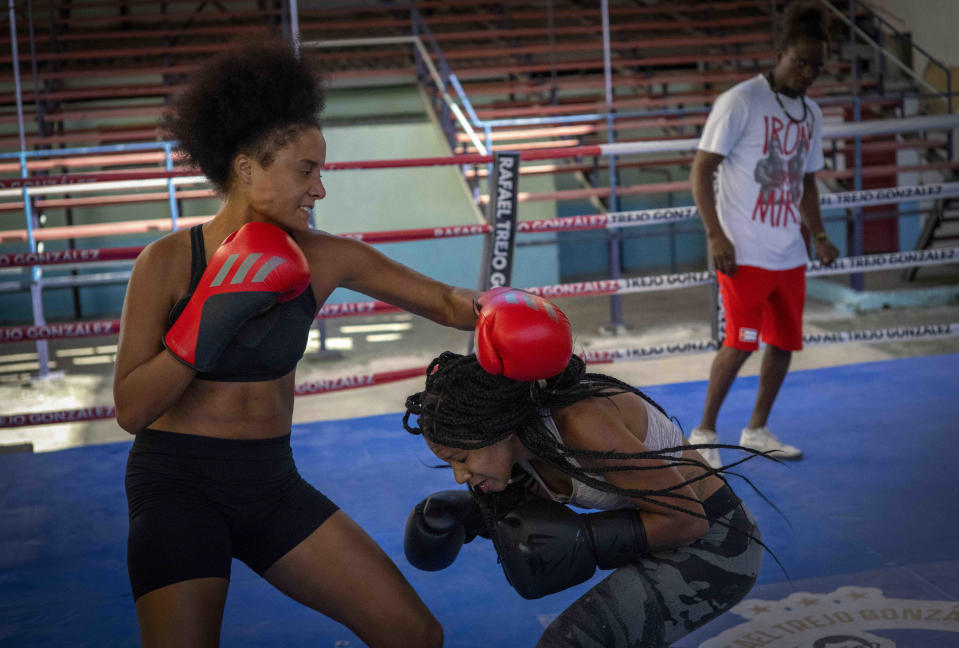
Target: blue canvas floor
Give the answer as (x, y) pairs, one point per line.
(871, 543)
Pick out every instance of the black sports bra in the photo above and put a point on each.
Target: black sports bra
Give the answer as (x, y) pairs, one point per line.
(269, 345)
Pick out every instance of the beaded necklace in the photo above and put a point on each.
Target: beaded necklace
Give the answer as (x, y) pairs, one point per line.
(781, 105)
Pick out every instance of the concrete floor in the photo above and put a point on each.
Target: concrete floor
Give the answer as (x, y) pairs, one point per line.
(651, 318)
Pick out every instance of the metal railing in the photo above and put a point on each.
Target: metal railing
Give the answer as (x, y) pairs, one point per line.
(885, 54)
(610, 116)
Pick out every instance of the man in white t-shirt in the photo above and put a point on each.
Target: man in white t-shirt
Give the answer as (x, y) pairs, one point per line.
(763, 140)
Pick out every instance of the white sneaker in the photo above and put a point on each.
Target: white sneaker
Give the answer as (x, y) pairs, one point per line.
(763, 440)
(710, 455)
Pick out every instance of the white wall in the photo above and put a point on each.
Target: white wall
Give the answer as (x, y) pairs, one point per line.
(933, 24)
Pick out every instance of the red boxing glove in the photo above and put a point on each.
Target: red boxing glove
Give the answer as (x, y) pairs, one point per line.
(487, 297)
(255, 267)
(521, 335)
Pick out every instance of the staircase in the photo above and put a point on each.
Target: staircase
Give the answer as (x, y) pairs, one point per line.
(941, 223)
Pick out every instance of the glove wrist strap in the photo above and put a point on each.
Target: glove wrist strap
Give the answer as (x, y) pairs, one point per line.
(618, 537)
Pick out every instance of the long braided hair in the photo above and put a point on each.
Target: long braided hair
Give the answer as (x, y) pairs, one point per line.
(465, 407)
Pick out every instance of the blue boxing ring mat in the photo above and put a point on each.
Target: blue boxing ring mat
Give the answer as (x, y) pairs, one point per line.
(870, 538)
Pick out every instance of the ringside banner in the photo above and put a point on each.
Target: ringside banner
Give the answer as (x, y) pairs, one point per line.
(501, 216)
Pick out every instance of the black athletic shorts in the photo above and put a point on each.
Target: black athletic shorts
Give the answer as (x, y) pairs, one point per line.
(196, 502)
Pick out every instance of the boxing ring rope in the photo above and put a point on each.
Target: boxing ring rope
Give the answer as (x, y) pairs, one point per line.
(71, 183)
(575, 223)
(622, 219)
(598, 287)
(327, 385)
(895, 334)
(864, 263)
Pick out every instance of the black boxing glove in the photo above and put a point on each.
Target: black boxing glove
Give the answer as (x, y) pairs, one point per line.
(545, 547)
(438, 527)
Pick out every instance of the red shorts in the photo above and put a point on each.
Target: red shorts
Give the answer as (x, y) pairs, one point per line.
(764, 302)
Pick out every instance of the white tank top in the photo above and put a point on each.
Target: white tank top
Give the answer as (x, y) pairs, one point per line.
(660, 433)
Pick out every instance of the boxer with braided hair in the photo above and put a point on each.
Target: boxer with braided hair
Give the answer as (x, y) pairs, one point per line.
(682, 545)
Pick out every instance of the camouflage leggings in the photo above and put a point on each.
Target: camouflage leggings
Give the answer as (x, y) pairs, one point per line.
(666, 595)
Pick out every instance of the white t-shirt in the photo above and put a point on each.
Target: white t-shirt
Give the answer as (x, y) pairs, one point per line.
(760, 181)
